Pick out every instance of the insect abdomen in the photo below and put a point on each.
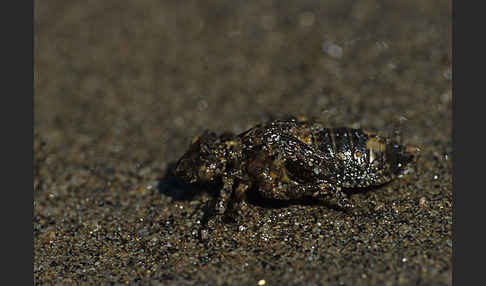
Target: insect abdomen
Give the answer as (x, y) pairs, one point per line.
(348, 152)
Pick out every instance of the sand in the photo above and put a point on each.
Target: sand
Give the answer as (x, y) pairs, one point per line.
(122, 88)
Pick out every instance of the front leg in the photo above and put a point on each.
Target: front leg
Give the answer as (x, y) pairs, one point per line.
(231, 204)
(224, 195)
(216, 208)
(240, 205)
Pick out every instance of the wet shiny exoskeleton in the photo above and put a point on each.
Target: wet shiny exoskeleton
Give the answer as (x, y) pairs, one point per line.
(292, 159)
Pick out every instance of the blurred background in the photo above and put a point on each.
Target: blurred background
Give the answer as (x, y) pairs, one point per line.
(121, 88)
(145, 76)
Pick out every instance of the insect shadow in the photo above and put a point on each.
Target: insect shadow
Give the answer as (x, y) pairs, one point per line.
(168, 185)
(171, 187)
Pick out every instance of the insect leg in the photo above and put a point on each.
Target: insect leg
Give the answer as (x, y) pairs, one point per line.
(341, 198)
(238, 206)
(224, 195)
(321, 191)
(275, 184)
(216, 209)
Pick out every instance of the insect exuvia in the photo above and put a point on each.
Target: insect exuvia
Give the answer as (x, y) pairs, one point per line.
(292, 159)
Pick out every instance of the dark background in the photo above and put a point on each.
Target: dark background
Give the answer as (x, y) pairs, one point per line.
(120, 89)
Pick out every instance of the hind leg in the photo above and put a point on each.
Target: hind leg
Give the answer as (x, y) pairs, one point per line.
(294, 190)
(274, 180)
(342, 200)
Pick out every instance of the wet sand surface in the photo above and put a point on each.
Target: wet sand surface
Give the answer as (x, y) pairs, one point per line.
(121, 89)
